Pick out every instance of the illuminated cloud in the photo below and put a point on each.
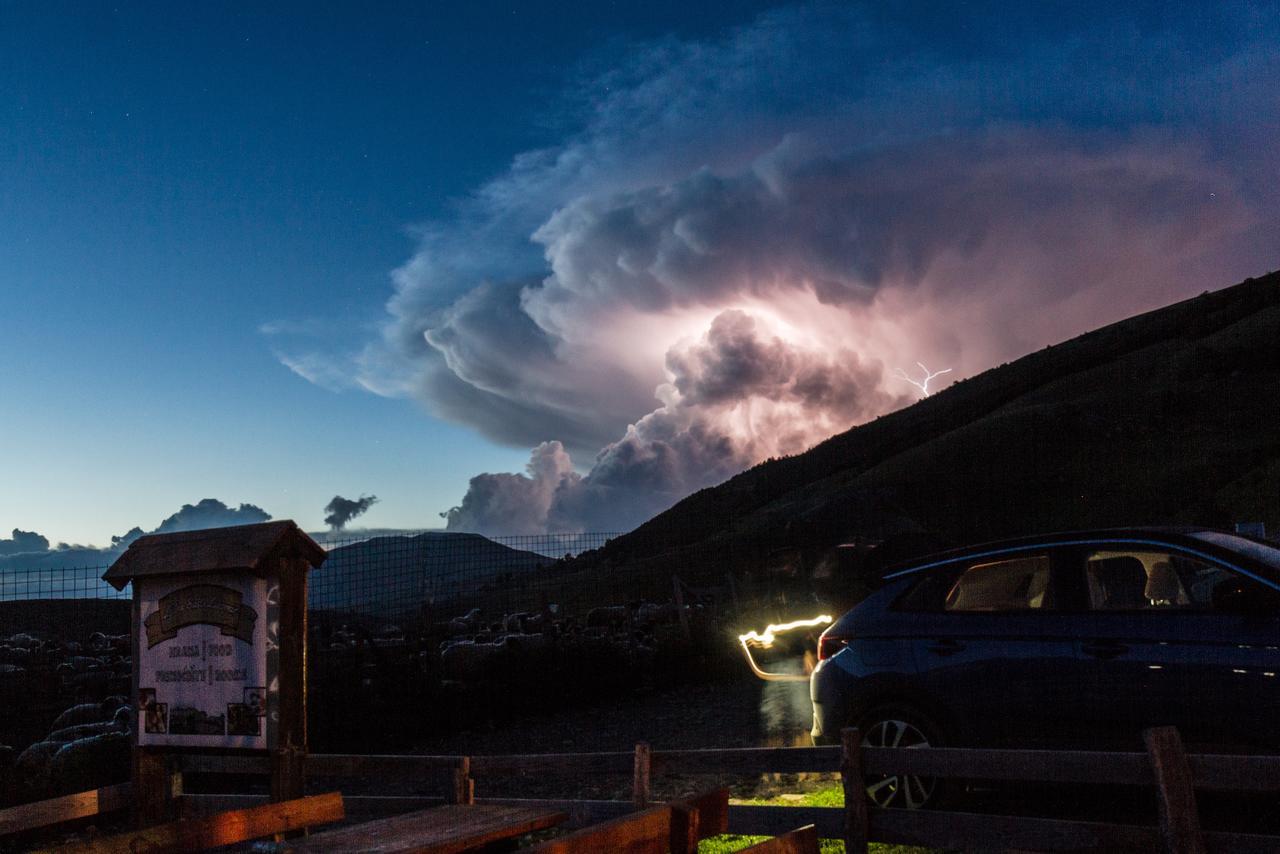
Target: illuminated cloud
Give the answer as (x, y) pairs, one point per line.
(744, 236)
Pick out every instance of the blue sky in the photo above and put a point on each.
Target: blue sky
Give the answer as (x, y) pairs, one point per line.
(174, 176)
(194, 197)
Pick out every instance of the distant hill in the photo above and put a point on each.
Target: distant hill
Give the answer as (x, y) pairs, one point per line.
(1168, 417)
(387, 574)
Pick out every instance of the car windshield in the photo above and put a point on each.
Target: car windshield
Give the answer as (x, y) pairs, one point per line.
(1270, 555)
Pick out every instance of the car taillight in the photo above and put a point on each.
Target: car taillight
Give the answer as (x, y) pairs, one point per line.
(829, 645)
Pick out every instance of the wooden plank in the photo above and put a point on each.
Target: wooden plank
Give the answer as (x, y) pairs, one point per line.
(228, 828)
(1220, 842)
(746, 819)
(460, 791)
(969, 831)
(153, 787)
(377, 765)
(365, 807)
(288, 772)
(1056, 766)
(685, 828)
(616, 762)
(747, 760)
(581, 813)
(1179, 816)
(640, 776)
(697, 818)
(647, 832)
(201, 763)
(803, 840)
(713, 811)
(855, 792)
(66, 808)
(1219, 772)
(1211, 771)
(440, 830)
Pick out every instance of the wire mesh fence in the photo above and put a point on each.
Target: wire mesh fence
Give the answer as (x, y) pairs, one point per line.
(81, 582)
(417, 578)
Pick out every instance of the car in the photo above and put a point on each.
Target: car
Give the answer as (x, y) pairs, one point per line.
(1078, 639)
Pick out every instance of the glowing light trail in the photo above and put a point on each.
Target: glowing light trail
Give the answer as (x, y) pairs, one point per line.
(928, 375)
(765, 640)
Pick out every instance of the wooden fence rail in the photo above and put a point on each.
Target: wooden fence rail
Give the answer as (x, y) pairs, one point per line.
(1175, 775)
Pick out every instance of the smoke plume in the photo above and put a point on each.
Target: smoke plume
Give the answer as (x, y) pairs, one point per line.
(342, 510)
(744, 235)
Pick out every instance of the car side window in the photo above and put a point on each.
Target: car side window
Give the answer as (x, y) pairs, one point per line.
(1150, 580)
(1014, 584)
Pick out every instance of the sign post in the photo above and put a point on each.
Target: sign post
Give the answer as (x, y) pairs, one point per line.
(219, 651)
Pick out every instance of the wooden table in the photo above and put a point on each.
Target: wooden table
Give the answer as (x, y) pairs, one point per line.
(439, 830)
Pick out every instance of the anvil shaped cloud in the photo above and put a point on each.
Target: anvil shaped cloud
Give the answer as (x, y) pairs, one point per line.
(747, 235)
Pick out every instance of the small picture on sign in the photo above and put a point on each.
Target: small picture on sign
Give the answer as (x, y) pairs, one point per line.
(186, 720)
(146, 698)
(157, 718)
(242, 719)
(257, 699)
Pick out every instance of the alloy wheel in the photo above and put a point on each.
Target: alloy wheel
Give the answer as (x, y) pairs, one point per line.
(898, 790)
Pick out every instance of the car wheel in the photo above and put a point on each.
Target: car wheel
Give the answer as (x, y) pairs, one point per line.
(905, 728)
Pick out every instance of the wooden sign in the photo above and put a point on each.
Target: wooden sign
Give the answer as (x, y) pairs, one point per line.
(207, 661)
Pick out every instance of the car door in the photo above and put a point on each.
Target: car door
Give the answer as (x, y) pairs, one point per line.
(1163, 649)
(993, 653)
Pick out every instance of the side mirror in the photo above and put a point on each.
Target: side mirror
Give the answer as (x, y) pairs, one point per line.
(1235, 596)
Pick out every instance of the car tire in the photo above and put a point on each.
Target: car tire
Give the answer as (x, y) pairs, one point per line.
(901, 726)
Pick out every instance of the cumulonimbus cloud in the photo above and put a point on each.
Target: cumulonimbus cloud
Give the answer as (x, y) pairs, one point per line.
(746, 235)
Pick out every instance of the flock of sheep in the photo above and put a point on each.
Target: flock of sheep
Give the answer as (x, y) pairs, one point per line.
(87, 744)
(467, 663)
(478, 668)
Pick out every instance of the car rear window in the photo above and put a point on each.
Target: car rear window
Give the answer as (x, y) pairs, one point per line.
(1016, 584)
(1013, 584)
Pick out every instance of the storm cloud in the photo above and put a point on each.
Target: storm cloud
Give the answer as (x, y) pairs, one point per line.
(744, 236)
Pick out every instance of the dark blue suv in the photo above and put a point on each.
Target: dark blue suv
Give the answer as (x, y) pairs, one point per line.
(1078, 639)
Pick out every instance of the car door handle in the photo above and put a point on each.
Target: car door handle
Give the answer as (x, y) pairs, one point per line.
(946, 647)
(1104, 649)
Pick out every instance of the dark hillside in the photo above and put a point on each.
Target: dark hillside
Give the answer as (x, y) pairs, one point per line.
(1167, 417)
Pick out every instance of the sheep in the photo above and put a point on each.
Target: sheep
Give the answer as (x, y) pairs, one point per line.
(89, 713)
(119, 723)
(607, 616)
(465, 624)
(24, 640)
(32, 765)
(468, 660)
(88, 763)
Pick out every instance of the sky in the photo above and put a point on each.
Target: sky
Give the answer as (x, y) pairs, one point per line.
(554, 266)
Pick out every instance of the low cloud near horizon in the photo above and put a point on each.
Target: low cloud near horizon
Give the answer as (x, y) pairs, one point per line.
(27, 549)
(745, 236)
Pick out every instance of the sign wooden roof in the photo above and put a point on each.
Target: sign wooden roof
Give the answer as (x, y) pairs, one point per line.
(241, 547)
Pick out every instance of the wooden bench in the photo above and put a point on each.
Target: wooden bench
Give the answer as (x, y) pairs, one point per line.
(676, 827)
(644, 832)
(213, 831)
(801, 841)
(438, 830)
(34, 816)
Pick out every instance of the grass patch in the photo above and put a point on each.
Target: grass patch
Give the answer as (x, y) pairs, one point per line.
(827, 796)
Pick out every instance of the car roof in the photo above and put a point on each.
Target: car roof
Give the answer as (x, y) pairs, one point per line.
(1183, 537)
